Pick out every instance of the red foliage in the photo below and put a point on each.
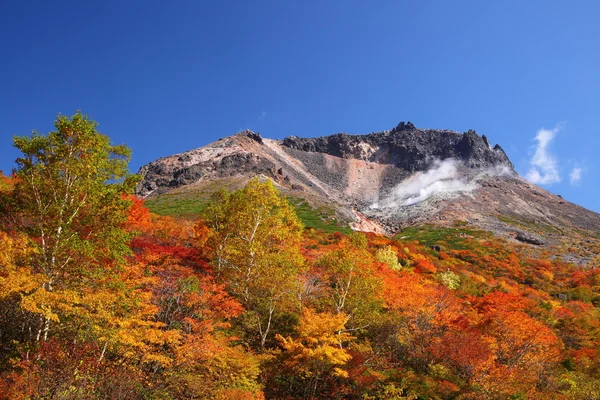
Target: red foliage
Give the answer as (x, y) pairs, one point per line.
(500, 302)
(425, 266)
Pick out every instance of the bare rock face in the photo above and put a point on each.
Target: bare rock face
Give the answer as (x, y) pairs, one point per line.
(407, 147)
(227, 157)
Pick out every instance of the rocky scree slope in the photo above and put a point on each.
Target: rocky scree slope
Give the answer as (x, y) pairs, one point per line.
(384, 181)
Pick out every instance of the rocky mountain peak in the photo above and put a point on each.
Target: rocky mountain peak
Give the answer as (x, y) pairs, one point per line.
(250, 134)
(403, 126)
(407, 147)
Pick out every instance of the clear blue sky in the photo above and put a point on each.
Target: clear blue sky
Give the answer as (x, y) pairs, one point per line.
(165, 77)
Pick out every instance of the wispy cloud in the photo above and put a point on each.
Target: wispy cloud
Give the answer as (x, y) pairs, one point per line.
(544, 165)
(575, 176)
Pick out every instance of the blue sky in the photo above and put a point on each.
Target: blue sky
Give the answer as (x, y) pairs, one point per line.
(168, 78)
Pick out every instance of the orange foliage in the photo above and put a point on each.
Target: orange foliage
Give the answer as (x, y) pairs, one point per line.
(425, 266)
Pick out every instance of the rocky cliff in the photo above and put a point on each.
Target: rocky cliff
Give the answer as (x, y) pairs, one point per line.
(407, 147)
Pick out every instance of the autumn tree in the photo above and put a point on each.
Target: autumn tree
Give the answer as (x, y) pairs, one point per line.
(204, 362)
(353, 288)
(65, 273)
(255, 235)
(310, 363)
(525, 349)
(68, 198)
(16, 280)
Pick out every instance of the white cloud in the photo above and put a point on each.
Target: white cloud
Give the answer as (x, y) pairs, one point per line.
(575, 176)
(544, 165)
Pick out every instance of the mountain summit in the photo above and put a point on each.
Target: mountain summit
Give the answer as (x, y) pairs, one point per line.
(392, 156)
(406, 147)
(382, 181)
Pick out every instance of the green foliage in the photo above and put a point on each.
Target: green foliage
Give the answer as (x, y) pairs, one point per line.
(70, 191)
(353, 288)
(176, 205)
(391, 392)
(456, 238)
(533, 226)
(321, 218)
(190, 205)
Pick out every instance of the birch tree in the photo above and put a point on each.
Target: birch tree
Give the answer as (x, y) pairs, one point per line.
(256, 240)
(68, 197)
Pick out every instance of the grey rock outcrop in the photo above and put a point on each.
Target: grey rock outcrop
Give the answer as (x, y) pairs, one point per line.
(529, 238)
(407, 147)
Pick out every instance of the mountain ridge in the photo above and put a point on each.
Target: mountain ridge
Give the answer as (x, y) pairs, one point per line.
(408, 148)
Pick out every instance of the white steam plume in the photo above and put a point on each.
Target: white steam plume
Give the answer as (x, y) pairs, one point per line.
(442, 179)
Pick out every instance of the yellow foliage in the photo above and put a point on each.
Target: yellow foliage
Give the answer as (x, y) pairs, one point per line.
(255, 236)
(318, 350)
(14, 278)
(209, 368)
(388, 256)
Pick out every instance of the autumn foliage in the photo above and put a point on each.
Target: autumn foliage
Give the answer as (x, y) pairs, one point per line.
(101, 299)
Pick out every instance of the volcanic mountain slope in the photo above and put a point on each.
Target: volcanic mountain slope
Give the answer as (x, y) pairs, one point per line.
(384, 181)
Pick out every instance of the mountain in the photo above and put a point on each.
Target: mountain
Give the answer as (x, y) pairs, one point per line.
(384, 181)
